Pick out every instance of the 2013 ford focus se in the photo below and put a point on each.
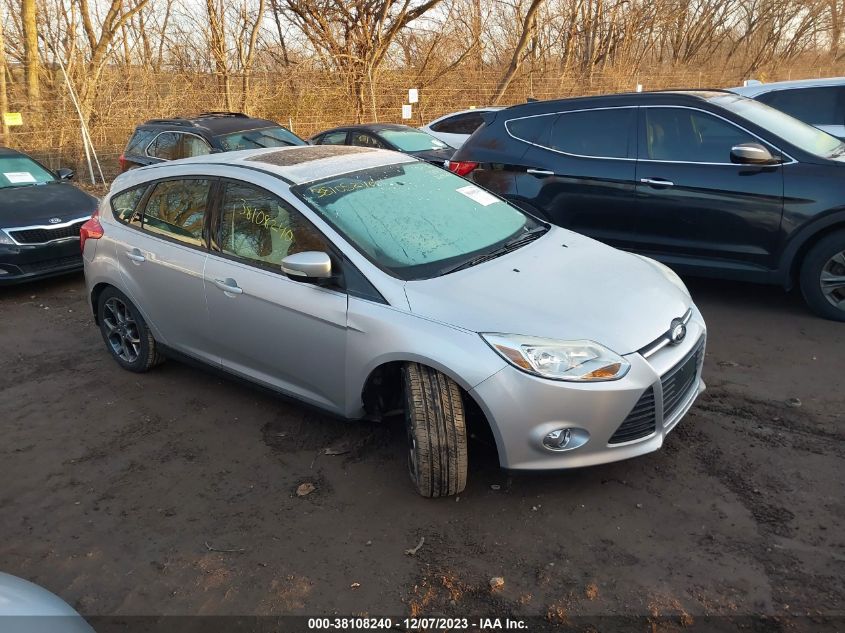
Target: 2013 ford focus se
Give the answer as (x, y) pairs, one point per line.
(365, 282)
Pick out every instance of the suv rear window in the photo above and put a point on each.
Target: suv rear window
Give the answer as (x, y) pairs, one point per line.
(465, 123)
(823, 106)
(139, 141)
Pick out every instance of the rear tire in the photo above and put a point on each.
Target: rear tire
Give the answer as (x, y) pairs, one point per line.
(822, 277)
(125, 333)
(437, 441)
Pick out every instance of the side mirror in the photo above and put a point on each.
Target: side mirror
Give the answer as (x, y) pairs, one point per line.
(308, 265)
(64, 173)
(752, 154)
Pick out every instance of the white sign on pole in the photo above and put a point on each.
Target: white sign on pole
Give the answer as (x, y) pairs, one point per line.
(639, 87)
(413, 95)
(406, 111)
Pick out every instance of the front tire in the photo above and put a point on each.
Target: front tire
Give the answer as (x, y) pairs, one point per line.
(435, 422)
(127, 337)
(823, 277)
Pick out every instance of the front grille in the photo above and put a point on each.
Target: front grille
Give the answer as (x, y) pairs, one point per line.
(640, 421)
(40, 236)
(680, 380)
(48, 264)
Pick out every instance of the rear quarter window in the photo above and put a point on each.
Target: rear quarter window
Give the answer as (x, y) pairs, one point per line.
(124, 204)
(532, 129)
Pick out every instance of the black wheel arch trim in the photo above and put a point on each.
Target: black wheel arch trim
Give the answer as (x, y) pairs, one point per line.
(802, 240)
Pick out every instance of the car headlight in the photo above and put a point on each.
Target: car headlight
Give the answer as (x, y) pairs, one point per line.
(576, 361)
(671, 276)
(5, 239)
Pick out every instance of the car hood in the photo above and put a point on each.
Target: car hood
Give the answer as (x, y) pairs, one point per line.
(37, 204)
(436, 156)
(562, 286)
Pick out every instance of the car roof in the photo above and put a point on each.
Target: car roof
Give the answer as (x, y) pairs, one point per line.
(621, 98)
(297, 165)
(757, 89)
(467, 111)
(369, 127)
(8, 151)
(214, 123)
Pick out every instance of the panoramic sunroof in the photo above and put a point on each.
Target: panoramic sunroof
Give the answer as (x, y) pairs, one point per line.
(299, 155)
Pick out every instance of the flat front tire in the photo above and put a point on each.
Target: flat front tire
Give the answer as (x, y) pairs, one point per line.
(823, 277)
(125, 333)
(435, 422)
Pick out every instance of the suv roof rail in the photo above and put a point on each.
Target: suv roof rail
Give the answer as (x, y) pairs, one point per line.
(223, 113)
(173, 121)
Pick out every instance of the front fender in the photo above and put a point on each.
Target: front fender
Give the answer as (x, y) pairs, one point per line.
(379, 334)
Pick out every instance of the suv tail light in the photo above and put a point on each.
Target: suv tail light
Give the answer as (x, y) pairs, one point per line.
(461, 167)
(124, 164)
(91, 230)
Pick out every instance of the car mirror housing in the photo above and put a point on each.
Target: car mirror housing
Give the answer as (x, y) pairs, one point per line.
(308, 265)
(64, 173)
(752, 154)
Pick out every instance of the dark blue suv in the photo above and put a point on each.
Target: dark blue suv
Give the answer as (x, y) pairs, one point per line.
(709, 182)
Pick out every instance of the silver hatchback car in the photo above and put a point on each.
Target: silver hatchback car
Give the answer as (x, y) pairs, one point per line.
(366, 283)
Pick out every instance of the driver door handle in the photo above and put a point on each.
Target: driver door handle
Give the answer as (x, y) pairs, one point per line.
(229, 285)
(657, 182)
(136, 256)
(539, 172)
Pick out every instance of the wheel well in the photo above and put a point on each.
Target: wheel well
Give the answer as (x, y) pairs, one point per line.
(95, 299)
(382, 397)
(809, 243)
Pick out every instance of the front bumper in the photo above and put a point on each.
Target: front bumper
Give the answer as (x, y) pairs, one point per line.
(20, 263)
(522, 409)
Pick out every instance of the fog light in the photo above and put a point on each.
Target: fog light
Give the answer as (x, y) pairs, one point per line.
(558, 439)
(565, 439)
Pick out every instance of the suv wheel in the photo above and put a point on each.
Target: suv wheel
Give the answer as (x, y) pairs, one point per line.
(125, 333)
(823, 277)
(437, 441)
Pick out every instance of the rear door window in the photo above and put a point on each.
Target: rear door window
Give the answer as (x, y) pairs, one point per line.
(362, 139)
(177, 209)
(465, 123)
(332, 138)
(258, 226)
(193, 146)
(602, 133)
(688, 136)
(165, 146)
(823, 106)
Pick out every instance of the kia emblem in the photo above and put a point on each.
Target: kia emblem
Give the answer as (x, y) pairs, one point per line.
(55, 220)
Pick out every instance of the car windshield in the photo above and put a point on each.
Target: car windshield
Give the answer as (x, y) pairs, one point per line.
(415, 220)
(412, 140)
(803, 136)
(257, 139)
(20, 171)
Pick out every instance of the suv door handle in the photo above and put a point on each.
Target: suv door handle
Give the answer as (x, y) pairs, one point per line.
(136, 256)
(657, 182)
(229, 285)
(539, 172)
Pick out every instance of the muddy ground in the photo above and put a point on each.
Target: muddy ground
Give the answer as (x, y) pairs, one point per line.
(119, 491)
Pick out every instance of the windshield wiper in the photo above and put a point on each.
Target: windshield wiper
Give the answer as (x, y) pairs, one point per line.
(512, 244)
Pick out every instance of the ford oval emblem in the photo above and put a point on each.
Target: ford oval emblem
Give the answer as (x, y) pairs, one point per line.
(55, 220)
(677, 331)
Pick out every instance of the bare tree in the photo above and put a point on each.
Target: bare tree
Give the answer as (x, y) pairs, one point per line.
(528, 27)
(354, 36)
(29, 22)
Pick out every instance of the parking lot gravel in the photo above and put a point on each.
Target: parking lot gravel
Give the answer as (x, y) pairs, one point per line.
(180, 491)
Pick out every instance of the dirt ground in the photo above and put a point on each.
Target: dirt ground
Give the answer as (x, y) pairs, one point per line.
(174, 492)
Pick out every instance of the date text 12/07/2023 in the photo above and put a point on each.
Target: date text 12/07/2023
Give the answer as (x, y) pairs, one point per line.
(417, 624)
